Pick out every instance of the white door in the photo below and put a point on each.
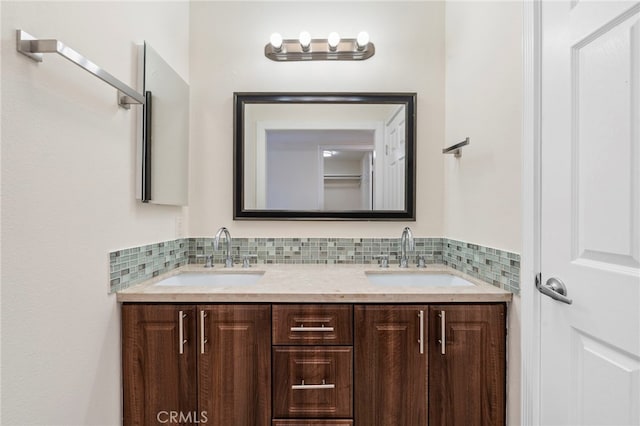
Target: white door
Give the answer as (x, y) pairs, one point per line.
(590, 349)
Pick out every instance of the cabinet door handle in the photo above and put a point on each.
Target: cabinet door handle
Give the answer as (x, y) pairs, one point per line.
(181, 339)
(320, 386)
(421, 339)
(203, 339)
(443, 333)
(303, 328)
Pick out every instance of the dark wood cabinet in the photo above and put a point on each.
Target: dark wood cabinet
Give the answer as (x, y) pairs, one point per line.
(305, 422)
(314, 365)
(159, 362)
(312, 324)
(390, 365)
(235, 364)
(313, 382)
(467, 365)
(191, 364)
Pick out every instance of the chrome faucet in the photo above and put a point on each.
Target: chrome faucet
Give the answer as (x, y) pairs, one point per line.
(228, 260)
(406, 240)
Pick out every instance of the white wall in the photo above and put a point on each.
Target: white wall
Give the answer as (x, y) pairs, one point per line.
(68, 198)
(484, 101)
(227, 45)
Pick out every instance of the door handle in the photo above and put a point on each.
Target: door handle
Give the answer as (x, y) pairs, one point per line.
(443, 333)
(181, 339)
(203, 339)
(554, 288)
(421, 327)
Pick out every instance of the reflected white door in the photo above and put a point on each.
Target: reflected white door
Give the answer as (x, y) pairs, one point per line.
(590, 349)
(394, 169)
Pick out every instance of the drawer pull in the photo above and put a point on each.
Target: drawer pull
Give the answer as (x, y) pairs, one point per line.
(303, 328)
(321, 386)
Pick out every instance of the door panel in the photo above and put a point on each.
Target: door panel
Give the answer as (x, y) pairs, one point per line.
(590, 349)
(605, 143)
(235, 368)
(606, 382)
(157, 378)
(390, 385)
(467, 381)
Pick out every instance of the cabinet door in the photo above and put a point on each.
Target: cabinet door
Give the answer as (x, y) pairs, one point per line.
(390, 370)
(467, 367)
(158, 363)
(235, 364)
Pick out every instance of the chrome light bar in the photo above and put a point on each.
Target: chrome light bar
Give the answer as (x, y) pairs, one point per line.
(319, 50)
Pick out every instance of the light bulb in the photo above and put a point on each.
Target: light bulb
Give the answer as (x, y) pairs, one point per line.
(333, 40)
(305, 40)
(362, 40)
(276, 41)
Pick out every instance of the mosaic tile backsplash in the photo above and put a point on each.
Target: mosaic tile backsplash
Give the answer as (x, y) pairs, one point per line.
(133, 265)
(315, 250)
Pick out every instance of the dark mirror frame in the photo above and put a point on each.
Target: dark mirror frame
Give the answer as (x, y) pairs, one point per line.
(241, 99)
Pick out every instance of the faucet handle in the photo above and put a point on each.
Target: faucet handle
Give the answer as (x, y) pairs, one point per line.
(421, 262)
(245, 260)
(208, 259)
(383, 261)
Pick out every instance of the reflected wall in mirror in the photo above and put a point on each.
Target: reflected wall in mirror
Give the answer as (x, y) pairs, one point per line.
(164, 143)
(324, 156)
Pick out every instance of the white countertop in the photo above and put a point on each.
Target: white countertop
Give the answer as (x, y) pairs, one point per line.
(309, 283)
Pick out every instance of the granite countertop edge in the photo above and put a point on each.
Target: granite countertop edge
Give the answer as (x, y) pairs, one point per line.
(310, 283)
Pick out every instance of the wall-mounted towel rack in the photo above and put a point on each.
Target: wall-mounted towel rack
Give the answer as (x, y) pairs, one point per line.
(455, 149)
(34, 49)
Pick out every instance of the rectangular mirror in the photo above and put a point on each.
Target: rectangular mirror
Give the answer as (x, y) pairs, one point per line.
(324, 156)
(164, 144)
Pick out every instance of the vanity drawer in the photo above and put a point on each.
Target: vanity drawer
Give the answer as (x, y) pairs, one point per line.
(312, 382)
(312, 324)
(312, 422)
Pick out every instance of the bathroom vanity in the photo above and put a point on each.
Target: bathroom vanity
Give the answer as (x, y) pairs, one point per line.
(314, 345)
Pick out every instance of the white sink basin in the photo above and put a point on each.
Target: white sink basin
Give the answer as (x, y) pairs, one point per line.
(416, 279)
(211, 279)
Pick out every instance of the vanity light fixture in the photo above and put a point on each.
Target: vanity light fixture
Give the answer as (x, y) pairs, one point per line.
(306, 48)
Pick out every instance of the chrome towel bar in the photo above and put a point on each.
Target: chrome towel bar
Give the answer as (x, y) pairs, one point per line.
(455, 149)
(34, 49)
